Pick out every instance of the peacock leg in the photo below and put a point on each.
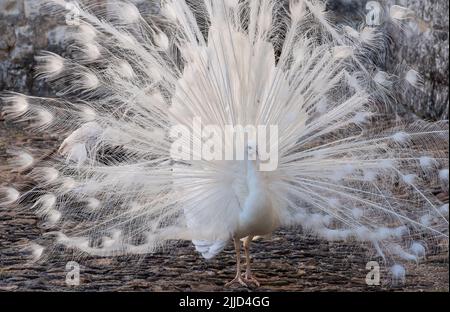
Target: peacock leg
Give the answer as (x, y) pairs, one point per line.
(238, 278)
(248, 276)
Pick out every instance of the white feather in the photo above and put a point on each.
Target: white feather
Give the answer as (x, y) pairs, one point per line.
(85, 33)
(400, 137)
(444, 210)
(418, 249)
(50, 64)
(443, 175)
(93, 203)
(398, 273)
(426, 162)
(414, 78)
(8, 196)
(351, 32)
(162, 41)
(342, 52)
(89, 81)
(20, 160)
(74, 146)
(126, 12)
(16, 106)
(126, 70)
(297, 9)
(91, 51)
(400, 13)
(46, 203)
(45, 174)
(383, 79)
(36, 251)
(409, 178)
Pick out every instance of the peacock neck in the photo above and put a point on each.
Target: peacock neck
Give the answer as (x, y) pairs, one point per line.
(253, 176)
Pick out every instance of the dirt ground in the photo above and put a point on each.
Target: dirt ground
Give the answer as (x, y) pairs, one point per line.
(290, 261)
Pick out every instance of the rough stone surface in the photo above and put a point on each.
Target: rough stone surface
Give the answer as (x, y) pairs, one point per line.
(24, 31)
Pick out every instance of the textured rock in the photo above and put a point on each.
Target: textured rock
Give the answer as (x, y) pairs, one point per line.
(11, 7)
(24, 29)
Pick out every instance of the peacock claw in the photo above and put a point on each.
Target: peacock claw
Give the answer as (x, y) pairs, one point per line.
(237, 279)
(249, 278)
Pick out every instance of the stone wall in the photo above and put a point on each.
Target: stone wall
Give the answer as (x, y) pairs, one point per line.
(26, 28)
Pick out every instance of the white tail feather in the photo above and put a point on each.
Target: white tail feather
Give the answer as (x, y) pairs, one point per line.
(341, 174)
(8, 196)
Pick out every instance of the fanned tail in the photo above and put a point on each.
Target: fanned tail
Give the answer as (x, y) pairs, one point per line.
(113, 186)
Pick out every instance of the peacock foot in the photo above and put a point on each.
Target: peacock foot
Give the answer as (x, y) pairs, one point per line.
(250, 279)
(237, 280)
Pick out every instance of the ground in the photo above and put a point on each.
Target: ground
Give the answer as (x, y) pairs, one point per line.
(289, 261)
